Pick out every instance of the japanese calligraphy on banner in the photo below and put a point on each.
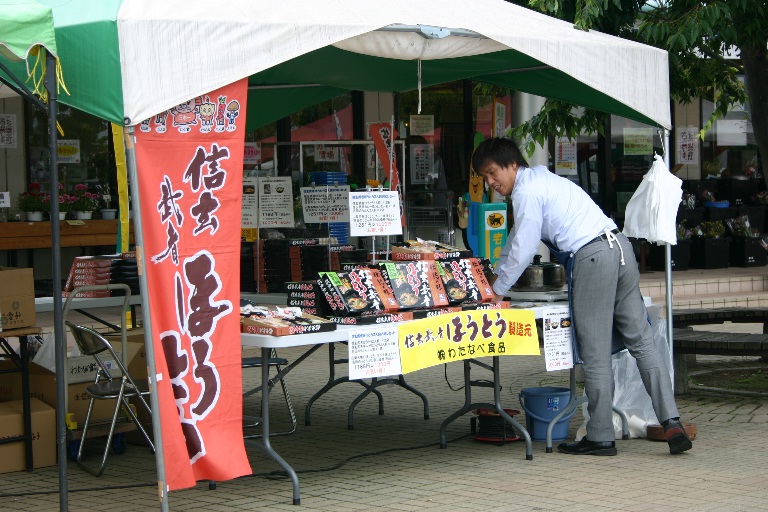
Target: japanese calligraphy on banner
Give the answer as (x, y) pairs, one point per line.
(558, 351)
(374, 213)
(190, 167)
(374, 352)
(638, 141)
(325, 204)
(275, 202)
(467, 334)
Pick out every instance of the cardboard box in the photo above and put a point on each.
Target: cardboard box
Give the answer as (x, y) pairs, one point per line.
(465, 281)
(137, 353)
(17, 298)
(416, 284)
(414, 250)
(281, 327)
(12, 456)
(428, 313)
(42, 383)
(379, 318)
(10, 383)
(358, 292)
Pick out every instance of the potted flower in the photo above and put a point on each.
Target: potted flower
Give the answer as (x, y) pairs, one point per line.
(66, 203)
(32, 202)
(710, 248)
(85, 202)
(746, 249)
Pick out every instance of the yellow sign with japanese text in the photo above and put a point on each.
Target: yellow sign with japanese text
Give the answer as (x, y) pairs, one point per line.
(465, 335)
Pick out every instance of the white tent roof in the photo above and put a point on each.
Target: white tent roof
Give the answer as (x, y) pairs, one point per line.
(174, 50)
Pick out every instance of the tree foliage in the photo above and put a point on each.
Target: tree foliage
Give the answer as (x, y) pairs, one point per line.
(696, 34)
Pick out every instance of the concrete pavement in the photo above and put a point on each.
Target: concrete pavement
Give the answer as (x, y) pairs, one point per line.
(392, 462)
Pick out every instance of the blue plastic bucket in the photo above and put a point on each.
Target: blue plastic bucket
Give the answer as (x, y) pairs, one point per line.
(541, 405)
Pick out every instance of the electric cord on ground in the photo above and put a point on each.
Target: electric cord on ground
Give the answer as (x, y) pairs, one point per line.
(445, 370)
(83, 489)
(280, 474)
(272, 475)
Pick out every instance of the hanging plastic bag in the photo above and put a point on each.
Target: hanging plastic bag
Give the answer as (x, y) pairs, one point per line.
(652, 210)
(630, 395)
(46, 353)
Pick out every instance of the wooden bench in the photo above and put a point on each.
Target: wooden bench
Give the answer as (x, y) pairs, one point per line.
(688, 341)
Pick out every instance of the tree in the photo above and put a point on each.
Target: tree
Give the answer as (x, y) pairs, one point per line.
(696, 34)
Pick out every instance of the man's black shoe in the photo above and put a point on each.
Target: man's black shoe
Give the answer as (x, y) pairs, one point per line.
(587, 447)
(677, 438)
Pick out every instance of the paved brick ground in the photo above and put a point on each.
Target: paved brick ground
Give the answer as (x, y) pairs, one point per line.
(392, 462)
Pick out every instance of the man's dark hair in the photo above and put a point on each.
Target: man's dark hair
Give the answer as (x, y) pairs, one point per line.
(501, 151)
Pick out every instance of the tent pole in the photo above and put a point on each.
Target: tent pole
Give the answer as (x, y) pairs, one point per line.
(60, 342)
(130, 159)
(668, 268)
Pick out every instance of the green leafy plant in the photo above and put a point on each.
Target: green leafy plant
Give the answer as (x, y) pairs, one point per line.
(739, 226)
(710, 229)
(683, 233)
(33, 200)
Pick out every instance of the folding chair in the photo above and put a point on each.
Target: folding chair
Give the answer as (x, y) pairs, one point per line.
(276, 362)
(107, 387)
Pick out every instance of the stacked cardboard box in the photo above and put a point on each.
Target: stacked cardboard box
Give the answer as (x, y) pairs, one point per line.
(17, 298)
(103, 270)
(81, 372)
(307, 296)
(277, 261)
(12, 457)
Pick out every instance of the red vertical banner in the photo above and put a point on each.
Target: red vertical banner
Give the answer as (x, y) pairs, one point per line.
(190, 169)
(383, 136)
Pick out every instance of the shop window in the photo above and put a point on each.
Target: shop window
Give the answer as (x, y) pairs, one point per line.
(86, 153)
(728, 148)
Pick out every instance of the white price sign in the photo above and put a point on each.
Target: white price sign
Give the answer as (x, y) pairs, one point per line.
(558, 350)
(375, 213)
(374, 352)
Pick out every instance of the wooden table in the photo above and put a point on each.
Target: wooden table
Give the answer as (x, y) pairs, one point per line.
(74, 233)
(21, 364)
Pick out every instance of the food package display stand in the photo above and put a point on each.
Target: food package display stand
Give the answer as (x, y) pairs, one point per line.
(317, 51)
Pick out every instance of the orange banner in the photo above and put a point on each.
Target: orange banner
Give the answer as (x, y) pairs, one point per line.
(190, 167)
(383, 136)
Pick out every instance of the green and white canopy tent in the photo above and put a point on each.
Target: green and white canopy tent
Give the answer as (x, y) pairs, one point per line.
(26, 28)
(128, 60)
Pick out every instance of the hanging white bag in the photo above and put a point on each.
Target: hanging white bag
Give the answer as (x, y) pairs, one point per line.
(652, 210)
